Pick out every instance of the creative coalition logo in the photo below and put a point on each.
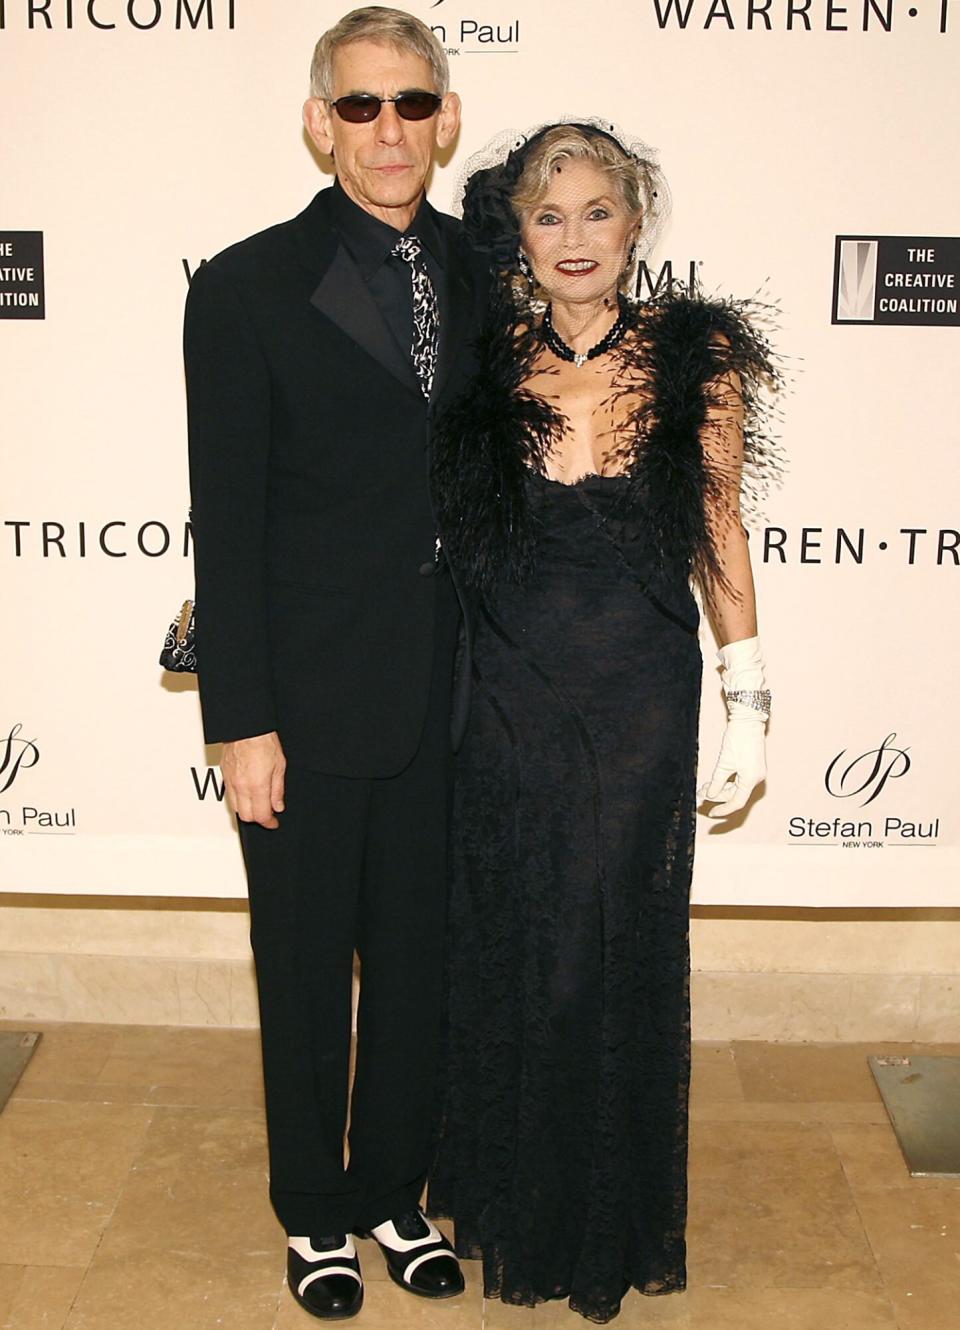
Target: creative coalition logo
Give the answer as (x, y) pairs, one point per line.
(864, 777)
(901, 280)
(21, 274)
(17, 756)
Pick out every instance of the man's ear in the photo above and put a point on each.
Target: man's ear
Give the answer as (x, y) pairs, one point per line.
(317, 116)
(448, 120)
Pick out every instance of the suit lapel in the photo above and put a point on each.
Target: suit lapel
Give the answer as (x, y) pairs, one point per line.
(345, 299)
(342, 295)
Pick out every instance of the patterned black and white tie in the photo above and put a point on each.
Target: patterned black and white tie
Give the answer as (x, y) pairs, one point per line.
(426, 313)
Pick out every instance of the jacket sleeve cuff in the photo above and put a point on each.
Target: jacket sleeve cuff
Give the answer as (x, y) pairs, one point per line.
(243, 718)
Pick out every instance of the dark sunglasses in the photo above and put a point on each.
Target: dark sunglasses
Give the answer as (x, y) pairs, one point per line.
(362, 107)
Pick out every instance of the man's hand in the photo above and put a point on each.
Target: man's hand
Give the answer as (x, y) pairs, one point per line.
(253, 774)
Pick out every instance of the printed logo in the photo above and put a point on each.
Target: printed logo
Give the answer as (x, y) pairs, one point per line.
(903, 280)
(26, 537)
(16, 755)
(21, 275)
(865, 777)
(211, 782)
(857, 281)
(912, 546)
(868, 773)
(650, 283)
(472, 36)
(806, 16)
(108, 15)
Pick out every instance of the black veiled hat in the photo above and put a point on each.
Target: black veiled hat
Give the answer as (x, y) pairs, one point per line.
(490, 178)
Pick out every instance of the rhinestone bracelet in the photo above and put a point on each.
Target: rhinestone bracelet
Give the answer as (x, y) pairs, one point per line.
(757, 698)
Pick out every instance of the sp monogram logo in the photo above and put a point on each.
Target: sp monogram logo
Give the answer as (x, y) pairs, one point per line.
(868, 773)
(16, 755)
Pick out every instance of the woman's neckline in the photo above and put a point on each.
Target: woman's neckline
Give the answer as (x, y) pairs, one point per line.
(580, 480)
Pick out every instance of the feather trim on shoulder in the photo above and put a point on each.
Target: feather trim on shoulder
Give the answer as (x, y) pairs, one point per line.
(483, 446)
(694, 469)
(690, 353)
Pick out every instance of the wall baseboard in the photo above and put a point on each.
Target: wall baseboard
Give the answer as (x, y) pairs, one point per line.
(726, 1004)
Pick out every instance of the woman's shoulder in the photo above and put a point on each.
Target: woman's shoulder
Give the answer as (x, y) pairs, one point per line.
(731, 333)
(678, 306)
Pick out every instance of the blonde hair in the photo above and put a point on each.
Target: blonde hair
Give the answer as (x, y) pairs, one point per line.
(570, 142)
(376, 23)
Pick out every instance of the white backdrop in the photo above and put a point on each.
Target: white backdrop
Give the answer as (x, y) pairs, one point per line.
(139, 149)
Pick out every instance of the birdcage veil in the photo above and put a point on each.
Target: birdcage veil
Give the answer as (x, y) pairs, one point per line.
(488, 178)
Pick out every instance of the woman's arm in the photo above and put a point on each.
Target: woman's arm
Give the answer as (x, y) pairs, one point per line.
(729, 599)
(730, 602)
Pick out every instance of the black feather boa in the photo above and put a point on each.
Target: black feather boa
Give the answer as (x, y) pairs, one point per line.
(686, 347)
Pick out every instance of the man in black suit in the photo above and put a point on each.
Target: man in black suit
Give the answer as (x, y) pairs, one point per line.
(317, 355)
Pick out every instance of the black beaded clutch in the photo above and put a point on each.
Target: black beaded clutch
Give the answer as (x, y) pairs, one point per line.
(179, 652)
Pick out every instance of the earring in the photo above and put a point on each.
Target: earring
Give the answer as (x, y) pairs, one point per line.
(523, 263)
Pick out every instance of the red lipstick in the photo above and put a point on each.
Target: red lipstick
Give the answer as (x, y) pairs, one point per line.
(576, 267)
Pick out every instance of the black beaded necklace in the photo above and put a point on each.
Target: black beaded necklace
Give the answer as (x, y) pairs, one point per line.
(560, 349)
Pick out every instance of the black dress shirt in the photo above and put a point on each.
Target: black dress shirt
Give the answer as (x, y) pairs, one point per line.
(370, 241)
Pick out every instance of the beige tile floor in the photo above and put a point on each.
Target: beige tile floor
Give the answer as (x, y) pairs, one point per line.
(132, 1158)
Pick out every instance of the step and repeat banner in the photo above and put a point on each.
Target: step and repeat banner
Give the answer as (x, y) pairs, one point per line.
(810, 150)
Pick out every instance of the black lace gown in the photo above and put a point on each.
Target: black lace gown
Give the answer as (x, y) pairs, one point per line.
(563, 1154)
(562, 1140)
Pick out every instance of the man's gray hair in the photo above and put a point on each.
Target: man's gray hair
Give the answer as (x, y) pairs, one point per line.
(376, 23)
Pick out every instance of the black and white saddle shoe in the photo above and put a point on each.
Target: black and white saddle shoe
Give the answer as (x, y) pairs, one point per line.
(324, 1276)
(419, 1258)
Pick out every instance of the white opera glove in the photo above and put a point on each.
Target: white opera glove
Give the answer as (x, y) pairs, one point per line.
(742, 757)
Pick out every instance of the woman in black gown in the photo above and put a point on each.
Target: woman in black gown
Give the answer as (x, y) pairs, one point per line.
(593, 468)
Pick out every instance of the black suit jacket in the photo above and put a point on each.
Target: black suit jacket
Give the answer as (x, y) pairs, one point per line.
(312, 521)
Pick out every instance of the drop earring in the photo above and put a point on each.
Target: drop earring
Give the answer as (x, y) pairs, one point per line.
(523, 263)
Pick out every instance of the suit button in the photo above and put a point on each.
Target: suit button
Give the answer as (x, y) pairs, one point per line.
(428, 569)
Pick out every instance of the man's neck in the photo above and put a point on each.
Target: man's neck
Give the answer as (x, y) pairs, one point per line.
(399, 218)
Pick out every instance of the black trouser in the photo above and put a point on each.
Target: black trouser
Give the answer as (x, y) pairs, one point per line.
(356, 864)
